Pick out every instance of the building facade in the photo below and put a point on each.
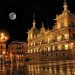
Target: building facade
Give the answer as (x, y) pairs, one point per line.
(3, 49)
(17, 51)
(45, 45)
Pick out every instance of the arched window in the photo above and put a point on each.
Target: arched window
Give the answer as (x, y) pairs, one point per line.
(53, 48)
(66, 47)
(34, 43)
(31, 36)
(66, 36)
(48, 39)
(31, 51)
(37, 49)
(59, 47)
(28, 51)
(49, 48)
(59, 37)
(34, 50)
(71, 45)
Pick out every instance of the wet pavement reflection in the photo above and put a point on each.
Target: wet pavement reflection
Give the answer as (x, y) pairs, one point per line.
(22, 69)
(13, 69)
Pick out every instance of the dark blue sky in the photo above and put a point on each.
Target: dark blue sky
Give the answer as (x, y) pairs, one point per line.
(44, 11)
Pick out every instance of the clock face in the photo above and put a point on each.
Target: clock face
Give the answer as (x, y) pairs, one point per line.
(12, 16)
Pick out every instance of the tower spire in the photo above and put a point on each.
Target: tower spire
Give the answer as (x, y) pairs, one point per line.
(65, 6)
(42, 24)
(42, 28)
(34, 19)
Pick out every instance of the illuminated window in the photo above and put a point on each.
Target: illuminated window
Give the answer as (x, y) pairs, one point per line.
(38, 69)
(49, 48)
(48, 39)
(59, 47)
(34, 43)
(65, 23)
(28, 51)
(31, 51)
(71, 45)
(66, 36)
(53, 48)
(66, 47)
(31, 36)
(40, 50)
(37, 50)
(58, 26)
(59, 38)
(34, 50)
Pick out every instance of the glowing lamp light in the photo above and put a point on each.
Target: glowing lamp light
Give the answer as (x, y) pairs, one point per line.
(2, 34)
(4, 52)
(71, 44)
(66, 46)
(6, 38)
(3, 37)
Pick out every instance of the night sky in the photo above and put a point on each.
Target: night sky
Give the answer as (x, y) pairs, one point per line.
(44, 11)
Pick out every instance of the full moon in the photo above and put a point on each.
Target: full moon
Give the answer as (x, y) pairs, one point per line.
(12, 16)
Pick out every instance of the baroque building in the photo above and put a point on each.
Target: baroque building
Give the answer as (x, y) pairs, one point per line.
(58, 44)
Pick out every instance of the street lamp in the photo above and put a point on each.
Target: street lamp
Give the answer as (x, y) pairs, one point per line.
(3, 37)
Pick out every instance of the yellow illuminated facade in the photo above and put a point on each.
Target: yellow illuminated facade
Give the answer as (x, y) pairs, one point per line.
(47, 46)
(61, 39)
